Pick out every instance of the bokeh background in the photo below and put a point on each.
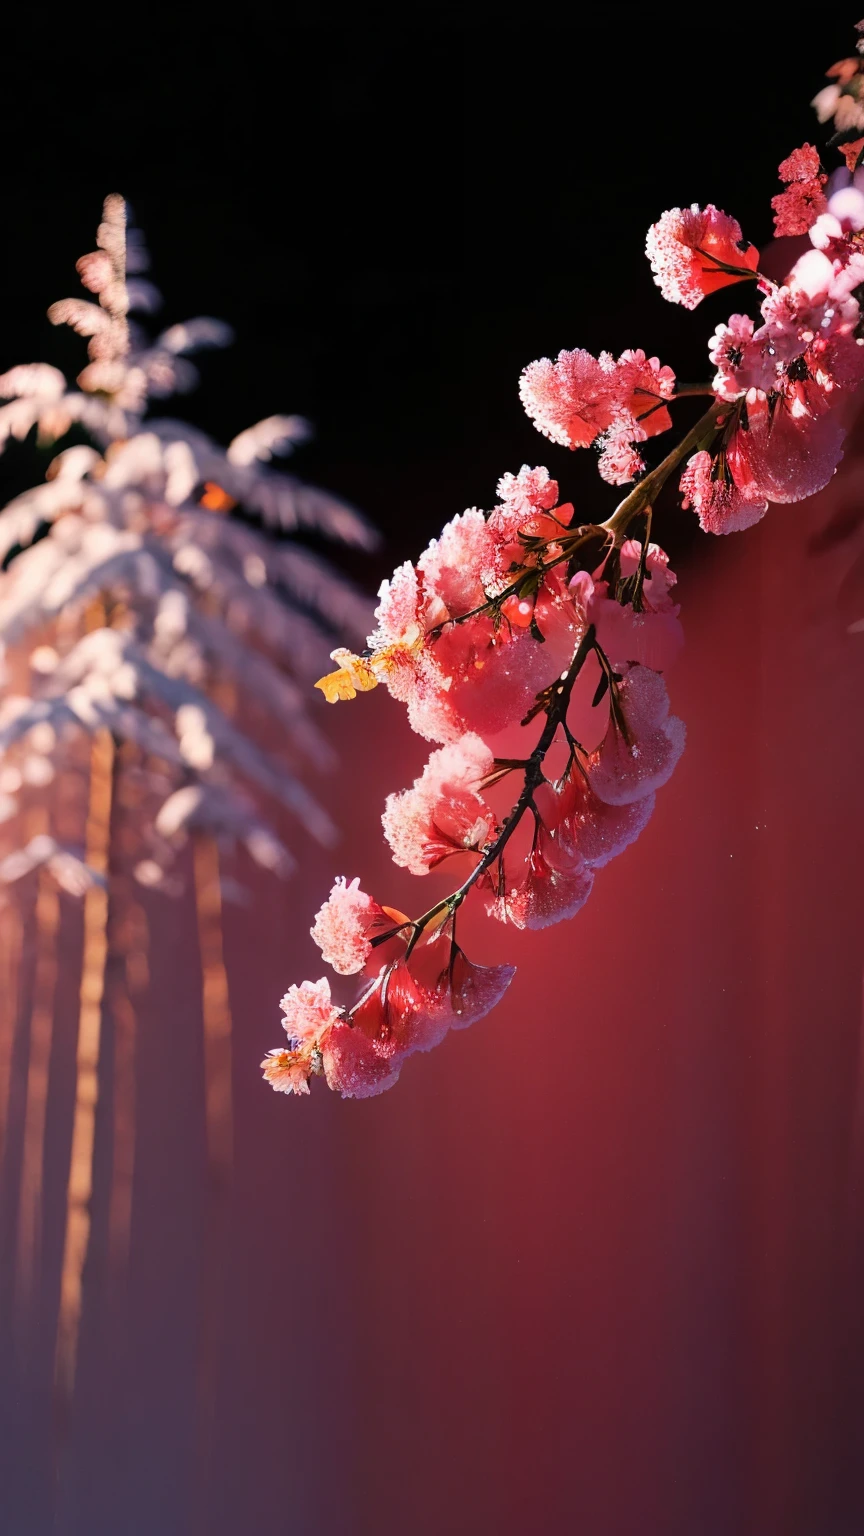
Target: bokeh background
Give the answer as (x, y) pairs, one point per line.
(595, 1265)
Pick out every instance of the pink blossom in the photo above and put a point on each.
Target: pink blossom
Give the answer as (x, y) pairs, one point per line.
(353, 1067)
(580, 399)
(478, 675)
(620, 462)
(451, 566)
(543, 894)
(399, 609)
(722, 506)
(529, 505)
(599, 831)
(742, 361)
(847, 277)
(816, 300)
(642, 387)
(801, 165)
(308, 1022)
(659, 579)
(627, 767)
(651, 635)
(532, 490)
(308, 1010)
(483, 674)
(414, 1002)
(570, 401)
(846, 200)
(581, 827)
(345, 926)
(797, 208)
(689, 248)
(843, 214)
(528, 511)
(790, 451)
(652, 639)
(836, 362)
(442, 814)
(575, 832)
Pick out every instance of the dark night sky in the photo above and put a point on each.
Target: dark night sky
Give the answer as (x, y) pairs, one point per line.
(397, 219)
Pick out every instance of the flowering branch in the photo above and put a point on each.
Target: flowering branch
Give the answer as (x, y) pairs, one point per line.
(530, 609)
(556, 713)
(644, 494)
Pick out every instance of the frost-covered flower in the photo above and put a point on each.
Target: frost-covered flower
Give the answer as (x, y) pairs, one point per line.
(642, 386)
(580, 399)
(543, 893)
(637, 759)
(694, 251)
(309, 1016)
(798, 207)
(308, 1011)
(571, 400)
(345, 926)
(620, 460)
(531, 491)
(353, 1067)
(722, 505)
(649, 633)
(442, 814)
(742, 361)
(416, 1000)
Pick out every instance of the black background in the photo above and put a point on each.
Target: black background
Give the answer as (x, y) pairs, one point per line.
(396, 219)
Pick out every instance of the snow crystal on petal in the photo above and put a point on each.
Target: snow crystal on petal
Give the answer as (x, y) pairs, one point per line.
(603, 831)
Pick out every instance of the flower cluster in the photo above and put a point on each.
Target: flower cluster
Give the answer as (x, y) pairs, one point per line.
(803, 200)
(530, 644)
(580, 399)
